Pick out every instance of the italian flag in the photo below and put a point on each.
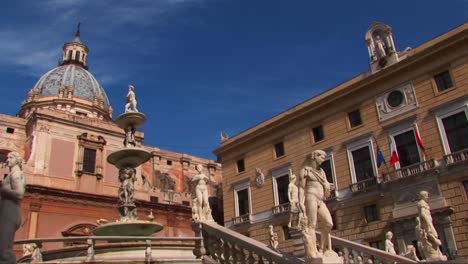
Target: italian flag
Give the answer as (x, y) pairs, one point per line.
(394, 157)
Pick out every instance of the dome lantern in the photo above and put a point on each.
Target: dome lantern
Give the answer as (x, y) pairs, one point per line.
(75, 52)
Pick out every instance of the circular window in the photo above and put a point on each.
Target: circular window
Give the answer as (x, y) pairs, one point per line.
(395, 98)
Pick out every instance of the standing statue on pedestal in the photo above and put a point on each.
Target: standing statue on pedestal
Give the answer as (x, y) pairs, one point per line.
(12, 190)
(129, 137)
(380, 46)
(388, 243)
(293, 196)
(273, 237)
(428, 239)
(127, 178)
(201, 207)
(314, 188)
(131, 100)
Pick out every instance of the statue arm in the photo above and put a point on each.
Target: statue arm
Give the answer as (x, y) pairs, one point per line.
(302, 185)
(17, 187)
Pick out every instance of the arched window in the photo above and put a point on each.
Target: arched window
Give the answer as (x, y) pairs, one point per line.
(69, 55)
(77, 56)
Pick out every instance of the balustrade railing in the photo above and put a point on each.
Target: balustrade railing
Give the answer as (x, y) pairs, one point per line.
(222, 245)
(456, 157)
(279, 209)
(411, 170)
(353, 252)
(36, 255)
(241, 219)
(363, 185)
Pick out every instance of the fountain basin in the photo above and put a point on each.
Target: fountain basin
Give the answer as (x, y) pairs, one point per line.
(134, 119)
(134, 228)
(128, 157)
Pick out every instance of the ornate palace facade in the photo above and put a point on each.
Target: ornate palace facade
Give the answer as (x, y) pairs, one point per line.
(412, 102)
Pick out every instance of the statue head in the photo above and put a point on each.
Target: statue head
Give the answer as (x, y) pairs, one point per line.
(293, 177)
(318, 156)
(389, 235)
(131, 88)
(14, 158)
(199, 168)
(424, 195)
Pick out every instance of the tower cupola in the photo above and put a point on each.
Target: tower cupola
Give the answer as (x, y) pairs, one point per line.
(75, 52)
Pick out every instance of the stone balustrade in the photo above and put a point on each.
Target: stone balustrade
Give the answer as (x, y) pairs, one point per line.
(363, 185)
(280, 209)
(411, 170)
(241, 219)
(456, 157)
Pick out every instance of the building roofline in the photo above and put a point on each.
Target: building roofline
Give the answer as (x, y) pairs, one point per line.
(415, 55)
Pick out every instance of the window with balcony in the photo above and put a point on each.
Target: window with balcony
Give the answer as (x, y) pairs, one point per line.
(443, 81)
(279, 149)
(362, 163)
(408, 151)
(242, 200)
(452, 122)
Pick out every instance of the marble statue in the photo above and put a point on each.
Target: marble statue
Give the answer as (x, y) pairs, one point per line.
(428, 239)
(12, 190)
(380, 46)
(127, 178)
(131, 100)
(202, 210)
(388, 243)
(129, 139)
(410, 253)
(293, 196)
(28, 249)
(314, 188)
(273, 237)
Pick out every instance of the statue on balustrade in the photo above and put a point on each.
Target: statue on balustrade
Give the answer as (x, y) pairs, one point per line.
(314, 188)
(12, 190)
(389, 248)
(201, 210)
(428, 239)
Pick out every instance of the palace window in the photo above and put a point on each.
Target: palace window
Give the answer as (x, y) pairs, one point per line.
(354, 118)
(465, 186)
(169, 162)
(90, 155)
(377, 244)
(361, 159)
(89, 160)
(10, 130)
(328, 168)
(443, 81)
(318, 133)
(452, 122)
(279, 149)
(240, 165)
(371, 213)
(407, 148)
(280, 185)
(242, 199)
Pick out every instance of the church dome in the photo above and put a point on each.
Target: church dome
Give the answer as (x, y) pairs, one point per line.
(84, 84)
(70, 87)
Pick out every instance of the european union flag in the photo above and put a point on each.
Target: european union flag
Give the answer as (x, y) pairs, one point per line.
(380, 157)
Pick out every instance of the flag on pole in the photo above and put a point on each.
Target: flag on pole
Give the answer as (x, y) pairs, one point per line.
(380, 157)
(418, 138)
(394, 156)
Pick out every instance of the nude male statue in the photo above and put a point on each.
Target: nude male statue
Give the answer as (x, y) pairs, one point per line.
(314, 188)
(131, 100)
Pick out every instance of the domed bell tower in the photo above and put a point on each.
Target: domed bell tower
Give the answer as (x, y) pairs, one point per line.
(75, 52)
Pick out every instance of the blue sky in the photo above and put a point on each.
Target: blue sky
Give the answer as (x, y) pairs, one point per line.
(205, 66)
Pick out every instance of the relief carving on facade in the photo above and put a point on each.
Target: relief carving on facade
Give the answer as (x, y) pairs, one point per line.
(396, 101)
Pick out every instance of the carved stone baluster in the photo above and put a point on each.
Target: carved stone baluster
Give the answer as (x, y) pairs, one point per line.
(148, 254)
(227, 252)
(251, 258)
(219, 251)
(260, 260)
(36, 255)
(235, 255)
(345, 255)
(90, 251)
(240, 255)
(199, 250)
